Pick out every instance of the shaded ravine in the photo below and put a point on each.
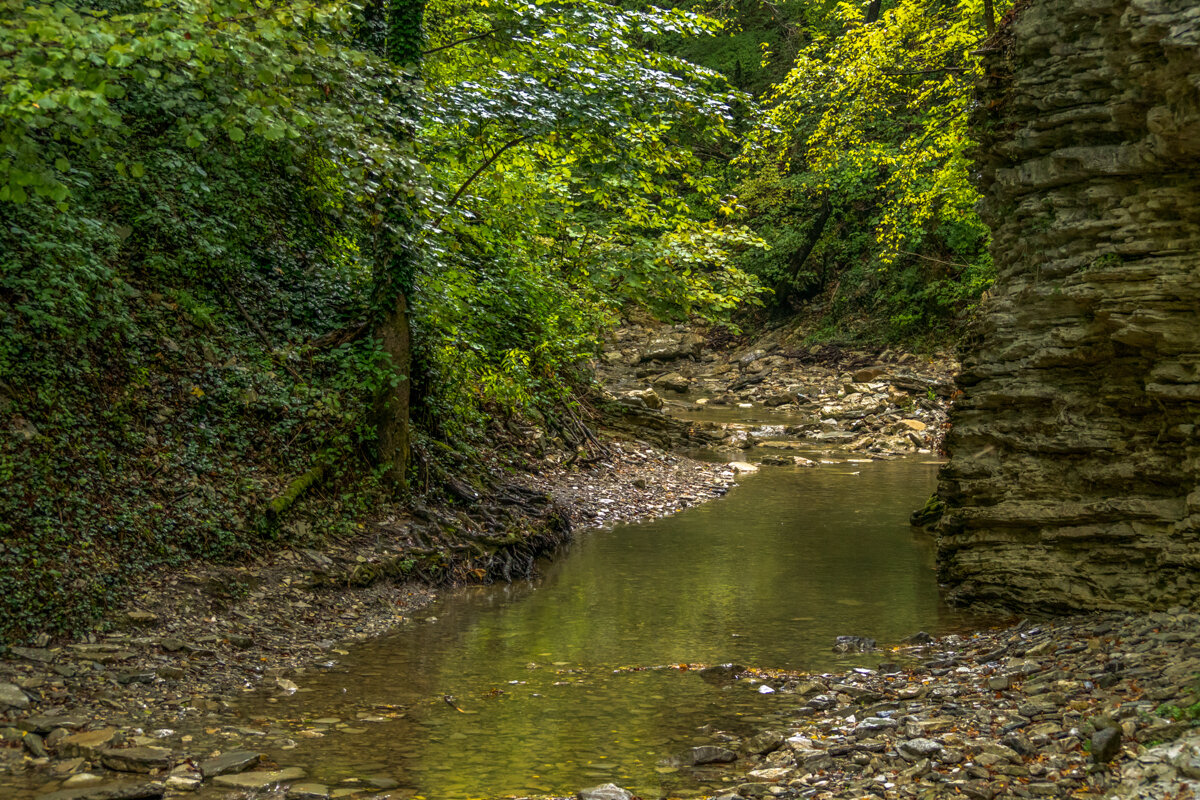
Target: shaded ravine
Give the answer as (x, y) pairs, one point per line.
(551, 684)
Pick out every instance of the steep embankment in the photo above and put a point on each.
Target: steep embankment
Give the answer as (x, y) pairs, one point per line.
(1074, 469)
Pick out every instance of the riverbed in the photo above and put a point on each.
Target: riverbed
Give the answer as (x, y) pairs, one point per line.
(590, 673)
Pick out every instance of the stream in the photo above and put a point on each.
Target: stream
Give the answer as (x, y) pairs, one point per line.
(575, 679)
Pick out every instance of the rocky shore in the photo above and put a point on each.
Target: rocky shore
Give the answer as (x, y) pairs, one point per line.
(97, 718)
(1101, 705)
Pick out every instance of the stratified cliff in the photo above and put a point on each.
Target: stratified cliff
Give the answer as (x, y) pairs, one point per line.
(1074, 479)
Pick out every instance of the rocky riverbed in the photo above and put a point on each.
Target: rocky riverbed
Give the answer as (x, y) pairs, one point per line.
(152, 705)
(1090, 706)
(773, 396)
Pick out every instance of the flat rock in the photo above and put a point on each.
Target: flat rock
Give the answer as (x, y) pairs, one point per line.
(259, 779)
(86, 743)
(308, 791)
(43, 724)
(607, 791)
(136, 759)
(108, 791)
(706, 754)
(230, 763)
(11, 696)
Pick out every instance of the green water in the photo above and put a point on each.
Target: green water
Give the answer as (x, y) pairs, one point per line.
(543, 697)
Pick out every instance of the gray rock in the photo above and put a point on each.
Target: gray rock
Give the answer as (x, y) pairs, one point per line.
(1106, 744)
(136, 759)
(109, 791)
(260, 779)
(853, 644)
(607, 791)
(916, 749)
(308, 791)
(229, 763)
(43, 724)
(763, 743)
(34, 744)
(706, 754)
(11, 696)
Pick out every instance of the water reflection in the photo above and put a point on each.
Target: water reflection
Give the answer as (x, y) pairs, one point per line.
(523, 689)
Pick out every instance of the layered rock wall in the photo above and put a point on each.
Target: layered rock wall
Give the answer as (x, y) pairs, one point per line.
(1074, 478)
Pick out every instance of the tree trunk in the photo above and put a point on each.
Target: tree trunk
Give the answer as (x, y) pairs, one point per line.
(989, 16)
(391, 403)
(873, 11)
(784, 287)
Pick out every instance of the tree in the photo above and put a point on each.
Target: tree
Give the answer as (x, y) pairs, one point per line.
(873, 120)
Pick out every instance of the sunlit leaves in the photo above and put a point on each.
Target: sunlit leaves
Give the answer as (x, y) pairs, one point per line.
(882, 106)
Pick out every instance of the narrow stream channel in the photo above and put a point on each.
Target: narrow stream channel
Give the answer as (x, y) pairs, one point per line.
(553, 682)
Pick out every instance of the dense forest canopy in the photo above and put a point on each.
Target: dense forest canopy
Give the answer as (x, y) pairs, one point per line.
(209, 209)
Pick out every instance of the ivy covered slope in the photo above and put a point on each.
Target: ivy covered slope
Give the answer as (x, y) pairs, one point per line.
(208, 206)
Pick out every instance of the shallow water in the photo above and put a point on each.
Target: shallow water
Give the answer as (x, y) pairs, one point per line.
(548, 681)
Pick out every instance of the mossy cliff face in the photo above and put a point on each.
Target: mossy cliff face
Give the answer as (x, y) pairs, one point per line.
(1075, 463)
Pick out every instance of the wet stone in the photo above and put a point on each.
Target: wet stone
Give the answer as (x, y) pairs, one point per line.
(607, 791)
(108, 791)
(86, 743)
(308, 791)
(136, 759)
(230, 763)
(260, 779)
(706, 754)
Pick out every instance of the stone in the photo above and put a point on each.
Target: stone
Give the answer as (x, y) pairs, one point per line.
(141, 619)
(136, 759)
(853, 644)
(259, 779)
(643, 398)
(670, 348)
(44, 724)
(1106, 744)
(87, 743)
(673, 381)
(742, 467)
(607, 791)
(914, 425)
(35, 745)
(184, 778)
(763, 743)
(11, 696)
(33, 654)
(916, 749)
(229, 763)
(108, 791)
(868, 374)
(308, 791)
(705, 754)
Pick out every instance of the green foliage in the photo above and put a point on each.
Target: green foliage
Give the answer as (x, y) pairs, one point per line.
(559, 140)
(871, 123)
(191, 194)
